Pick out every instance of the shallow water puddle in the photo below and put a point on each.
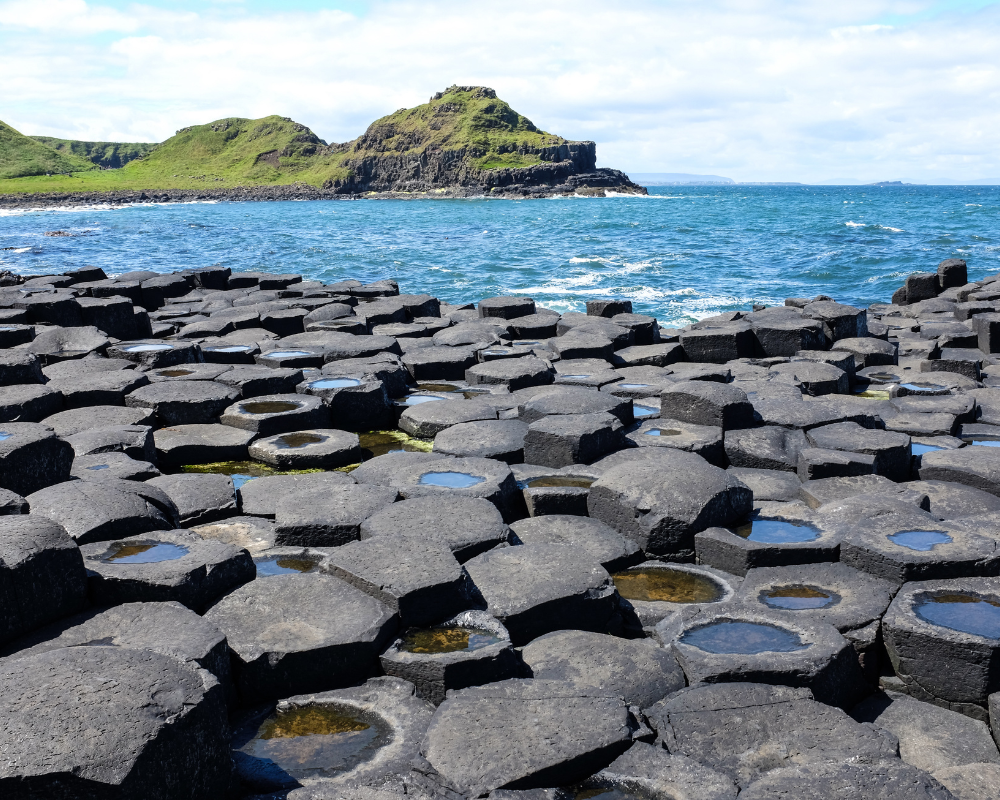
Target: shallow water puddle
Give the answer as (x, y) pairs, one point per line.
(559, 481)
(632, 385)
(984, 442)
(334, 383)
(450, 480)
(269, 406)
(242, 471)
(288, 353)
(175, 373)
(743, 638)
(285, 565)
(146, 553)
(234, 348)
(921, 449)
(312, 741)
(663, 432)
(919, 540)
(798, 598)
(918, 388)
(452, 639)
(378, 443)
(147, 348)
(417, 399)
(663, 584)
(778, 531)
(967, 613)
(293, 441)
(644, 411)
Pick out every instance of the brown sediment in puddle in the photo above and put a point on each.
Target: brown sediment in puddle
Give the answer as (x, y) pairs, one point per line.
(452, 639)
(300, 439)
(560, 481)
(662, 584)
(175, 373)
(268, 407)
(798, 597)
(309, 721)
(129, 550)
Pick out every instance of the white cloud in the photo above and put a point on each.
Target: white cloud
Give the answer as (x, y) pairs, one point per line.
(753, 89)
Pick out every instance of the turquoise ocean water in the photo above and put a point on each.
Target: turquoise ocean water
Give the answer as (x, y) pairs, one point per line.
(683, 253)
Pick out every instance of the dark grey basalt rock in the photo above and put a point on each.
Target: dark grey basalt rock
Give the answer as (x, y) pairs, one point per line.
(975, 466)
(703, 440)
(707, 403)
(817, 463)
(560, 440)
(427, 420)
(96, 511)
(756, 644)
(418, 579)
(253, 381)
(768, 447)
(180, 445)
(501, 439)
(28, 402)
(98, 388)
(891, 451)
(436, 673)
(18, 366)
(163, 728)
(931, 738)
(467, 525)
(298, 633)
(32, 457)
(600, 541)
(156, 353)
(253, 534)
(539, 588)
(322, 448)
(844, 780)
(514, 373)
(650, 771)
(745, 730)
(661, 509)
(135, 441)
(639, 671)
(42, 577)
(327, 516)
(195, 572)
(260, 497)
(477, 740)
(268, 415)
(184, 402)
(78, 420)
(199, 498)
(112, 465)
(949, 500)
(769, 484)
(942, 664)
(560, 400)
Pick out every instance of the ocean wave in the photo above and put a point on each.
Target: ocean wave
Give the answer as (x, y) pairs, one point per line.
(855, 224)
(20, 212)
(887, 228)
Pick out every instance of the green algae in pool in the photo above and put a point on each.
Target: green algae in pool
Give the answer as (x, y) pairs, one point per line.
(664, 584)
(778, 531)
(145, 553)
(293, 441)
(663, 432)
(378, 443)
(798, 598)
(269, 406)
(451, 639)
(967, 613)
(919, 540)
(742, 638)
(559, 481)
(310, 741)
(285, 565)
(242, 471)
(450, 480)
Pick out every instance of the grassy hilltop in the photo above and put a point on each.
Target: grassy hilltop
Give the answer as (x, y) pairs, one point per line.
(466, 125)
(109, 155)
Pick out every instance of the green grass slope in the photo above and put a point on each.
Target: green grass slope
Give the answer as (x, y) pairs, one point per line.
(22, 156)
(110, 155)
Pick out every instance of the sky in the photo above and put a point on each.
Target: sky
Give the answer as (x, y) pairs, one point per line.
(755, 90)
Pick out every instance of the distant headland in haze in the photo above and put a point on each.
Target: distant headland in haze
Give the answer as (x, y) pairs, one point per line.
(463, 142)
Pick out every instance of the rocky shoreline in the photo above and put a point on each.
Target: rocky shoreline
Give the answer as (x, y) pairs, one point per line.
(263, 537)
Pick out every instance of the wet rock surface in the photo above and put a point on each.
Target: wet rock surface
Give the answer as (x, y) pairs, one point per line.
(223, 491)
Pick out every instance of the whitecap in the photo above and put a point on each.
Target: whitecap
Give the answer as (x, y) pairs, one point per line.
(22, 249)
(855, 224)
(887, 228)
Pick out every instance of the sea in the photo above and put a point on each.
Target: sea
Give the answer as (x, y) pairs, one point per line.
(681, 254)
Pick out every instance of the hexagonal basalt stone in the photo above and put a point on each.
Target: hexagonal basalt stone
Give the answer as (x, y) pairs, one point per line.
(32, 457)
(564, 439)
(852, 601)
(199, 498)
(707, 403)
(183, 402)
(745, 730)
(79, 420)
(889, 780)
(955, 500)
(28, 402)
(333, 744)
(478, 741)
(470, 649)
(260, 497)
(609, 547)
(277, 413)
(506, 307)
(944, 640)
(418, 579)
(297, 633)
(181, 445)
(155, 353)
(890, 450)
(769, 484)
(654, 589)
(975, 466)
(427, 420)
(914, 545)
(768, 447)
(467, 525)
(96, 511)
(703, 440)
(328, 516)
(514, 373)
(575, 400)
(538, 588)
(749, 642)
(112, 465)
(163, 729)
(41, 574)
(639, 671)
(501, 439)
(661, 509)
(325, 448)
(170, 565)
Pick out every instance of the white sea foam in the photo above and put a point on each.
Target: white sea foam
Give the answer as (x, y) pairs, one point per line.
(887, 228)
(22, 250)
(855, 224)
